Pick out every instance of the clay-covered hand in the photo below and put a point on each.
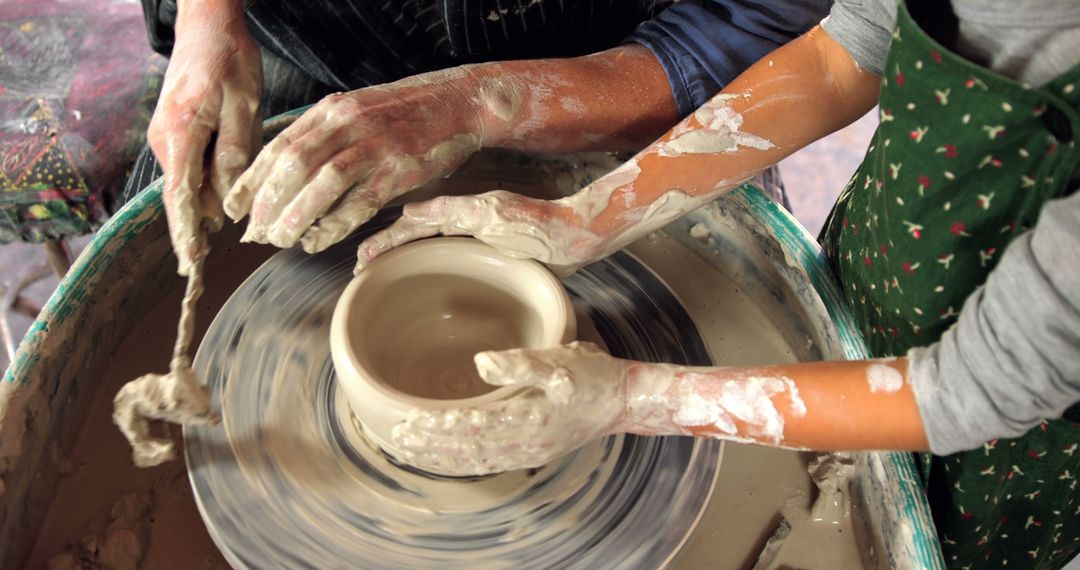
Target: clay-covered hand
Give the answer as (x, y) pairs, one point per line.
(351, 153)
(212, 84)
(571, 395)
(549, 231)
(565, 234)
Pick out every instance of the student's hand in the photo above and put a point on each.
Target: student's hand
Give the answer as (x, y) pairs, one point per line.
(575, 393)
(351, 153)
(547, 231)
(213, 84)
(572, 395)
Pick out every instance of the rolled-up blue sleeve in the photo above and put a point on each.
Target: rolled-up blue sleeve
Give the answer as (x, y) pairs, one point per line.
(704, 44)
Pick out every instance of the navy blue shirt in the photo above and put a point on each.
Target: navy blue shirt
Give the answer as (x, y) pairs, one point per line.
(704, 44)
(347, 44)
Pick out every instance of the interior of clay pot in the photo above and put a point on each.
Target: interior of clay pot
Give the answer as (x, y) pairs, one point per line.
(414, 319)
(422, 336)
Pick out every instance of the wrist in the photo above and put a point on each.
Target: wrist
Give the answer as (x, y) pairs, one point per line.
(647, 388)
(604, 207)
(190, 12)
(498, 97)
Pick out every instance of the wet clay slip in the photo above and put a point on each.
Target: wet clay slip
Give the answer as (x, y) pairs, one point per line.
(405, 330)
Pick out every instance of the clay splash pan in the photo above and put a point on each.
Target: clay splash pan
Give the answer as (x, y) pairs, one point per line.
(287, 479)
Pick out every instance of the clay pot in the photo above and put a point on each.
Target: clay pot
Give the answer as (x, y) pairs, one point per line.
(405, 330)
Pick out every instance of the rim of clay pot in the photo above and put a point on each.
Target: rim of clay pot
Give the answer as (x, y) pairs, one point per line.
(560, 324)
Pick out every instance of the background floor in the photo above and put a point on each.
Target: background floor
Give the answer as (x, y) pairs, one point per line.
(815, 175)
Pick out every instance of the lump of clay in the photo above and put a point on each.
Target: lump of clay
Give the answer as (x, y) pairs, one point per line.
(176, 397)
(122, 545)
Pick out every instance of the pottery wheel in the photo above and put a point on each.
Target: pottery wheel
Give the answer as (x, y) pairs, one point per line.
(286, 481)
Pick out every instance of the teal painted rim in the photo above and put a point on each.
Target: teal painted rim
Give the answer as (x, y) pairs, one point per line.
(146, 206)
(84, 274)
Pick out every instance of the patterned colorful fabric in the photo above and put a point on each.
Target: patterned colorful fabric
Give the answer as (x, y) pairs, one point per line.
(77, 86)
(961, 164)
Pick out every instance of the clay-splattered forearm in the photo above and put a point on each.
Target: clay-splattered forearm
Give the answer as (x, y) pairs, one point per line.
(823, 406)
(794, 96)
(799, 93)
(575, 393)
(618, 99)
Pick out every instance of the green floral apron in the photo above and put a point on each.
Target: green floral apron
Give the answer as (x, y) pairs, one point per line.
(961, 164)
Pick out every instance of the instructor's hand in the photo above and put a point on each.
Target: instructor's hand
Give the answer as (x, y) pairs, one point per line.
(213, 84)
(351, 153)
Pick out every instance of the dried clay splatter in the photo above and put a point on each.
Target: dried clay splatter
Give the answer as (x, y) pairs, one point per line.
(884, 378)
(719, 132)
(702, 401)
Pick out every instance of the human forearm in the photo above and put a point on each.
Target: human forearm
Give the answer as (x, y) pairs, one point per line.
(575, 393)
(822, 406)
(759, 119)
(353, 152)
(1011, 360)
(618, 99)
(794, 96)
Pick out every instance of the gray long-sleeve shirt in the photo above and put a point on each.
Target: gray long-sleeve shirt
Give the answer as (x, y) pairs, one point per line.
(1013, 357)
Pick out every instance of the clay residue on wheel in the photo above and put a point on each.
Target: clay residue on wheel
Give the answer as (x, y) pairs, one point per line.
(755, 483)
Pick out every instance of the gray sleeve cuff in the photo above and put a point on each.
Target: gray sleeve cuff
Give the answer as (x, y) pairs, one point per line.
(864, 30)
(950, 417)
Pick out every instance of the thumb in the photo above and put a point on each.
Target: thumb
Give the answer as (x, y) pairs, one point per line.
(536, 368)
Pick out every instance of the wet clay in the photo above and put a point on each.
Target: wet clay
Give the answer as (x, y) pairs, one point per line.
(572, 394)
(177, 396)
(302, 463)
(755, 485)
(755, 488)
(403, 334)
